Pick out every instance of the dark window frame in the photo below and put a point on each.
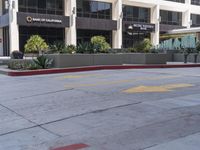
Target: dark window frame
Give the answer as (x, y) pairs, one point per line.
(24, 6)
(195, 20)
(168, 17)
(178, 1)
(94, 9)
(136, 14)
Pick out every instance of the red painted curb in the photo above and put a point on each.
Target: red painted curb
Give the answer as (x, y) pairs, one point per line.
(92, 68)
(72, 147)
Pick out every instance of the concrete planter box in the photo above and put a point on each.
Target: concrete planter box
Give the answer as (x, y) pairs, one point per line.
(78, 60)
(179, 57)
(31, 55)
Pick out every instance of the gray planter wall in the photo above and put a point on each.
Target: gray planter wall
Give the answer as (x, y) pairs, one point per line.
(78, 60)
(180, 58)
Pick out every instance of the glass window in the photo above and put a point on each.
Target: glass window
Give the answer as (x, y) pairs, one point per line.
(32, 4)
(137, 14)
(94, 9)
(51, 4)
(59, 5)
(22, 3)
(179, 1)
(171, 17)
(134, 39)
(195, 20)
(42, 6)
(86, 35)
(195, 2)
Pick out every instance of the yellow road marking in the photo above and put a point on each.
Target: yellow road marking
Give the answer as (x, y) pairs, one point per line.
(119, 81)
(152, 89)
(79, 76)
(97, 84)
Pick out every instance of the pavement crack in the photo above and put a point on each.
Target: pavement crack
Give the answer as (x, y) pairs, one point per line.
(86, 113)
(154, 145)
(106, 109)
(149, 147)
(47, 93)
(23, 117)
(41, 125)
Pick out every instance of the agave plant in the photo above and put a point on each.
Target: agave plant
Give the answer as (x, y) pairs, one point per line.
(58, 47)
(85, 47)
(43, 62)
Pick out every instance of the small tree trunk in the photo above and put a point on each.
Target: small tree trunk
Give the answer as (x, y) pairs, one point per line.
(195, 58)
(185, 58)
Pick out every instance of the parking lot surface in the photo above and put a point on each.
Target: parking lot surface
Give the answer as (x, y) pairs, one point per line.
(147, 109)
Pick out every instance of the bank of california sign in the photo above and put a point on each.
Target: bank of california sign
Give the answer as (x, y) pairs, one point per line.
(30, 19)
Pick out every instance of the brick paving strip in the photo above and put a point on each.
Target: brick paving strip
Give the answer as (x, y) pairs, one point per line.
(72, 147)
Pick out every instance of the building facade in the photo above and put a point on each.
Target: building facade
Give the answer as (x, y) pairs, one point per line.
(122, 22)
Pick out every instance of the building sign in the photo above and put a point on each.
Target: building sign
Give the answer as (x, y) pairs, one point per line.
(31, 19)
(140, 27)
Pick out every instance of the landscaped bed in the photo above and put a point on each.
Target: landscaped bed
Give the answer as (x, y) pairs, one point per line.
(94, 53)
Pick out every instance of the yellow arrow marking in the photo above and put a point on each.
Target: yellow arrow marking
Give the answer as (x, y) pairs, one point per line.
(152, 89)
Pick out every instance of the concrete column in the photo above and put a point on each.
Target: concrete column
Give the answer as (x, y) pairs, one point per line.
(155, 19)
(186, 17)
(118, 16)
(13, 26)
(70, 33)
(188, 2)
(1, 31)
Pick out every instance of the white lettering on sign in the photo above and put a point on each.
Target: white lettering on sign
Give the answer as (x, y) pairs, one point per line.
(43, 20)
(143, 26)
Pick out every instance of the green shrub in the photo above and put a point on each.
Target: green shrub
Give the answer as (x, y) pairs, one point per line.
(100, 44)
(85, 47)
(187, 51)
(142, 47)
(43, 62)
(16, 65)
(132, 50)
(20, 64)
(198, 47)
(35, 44)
